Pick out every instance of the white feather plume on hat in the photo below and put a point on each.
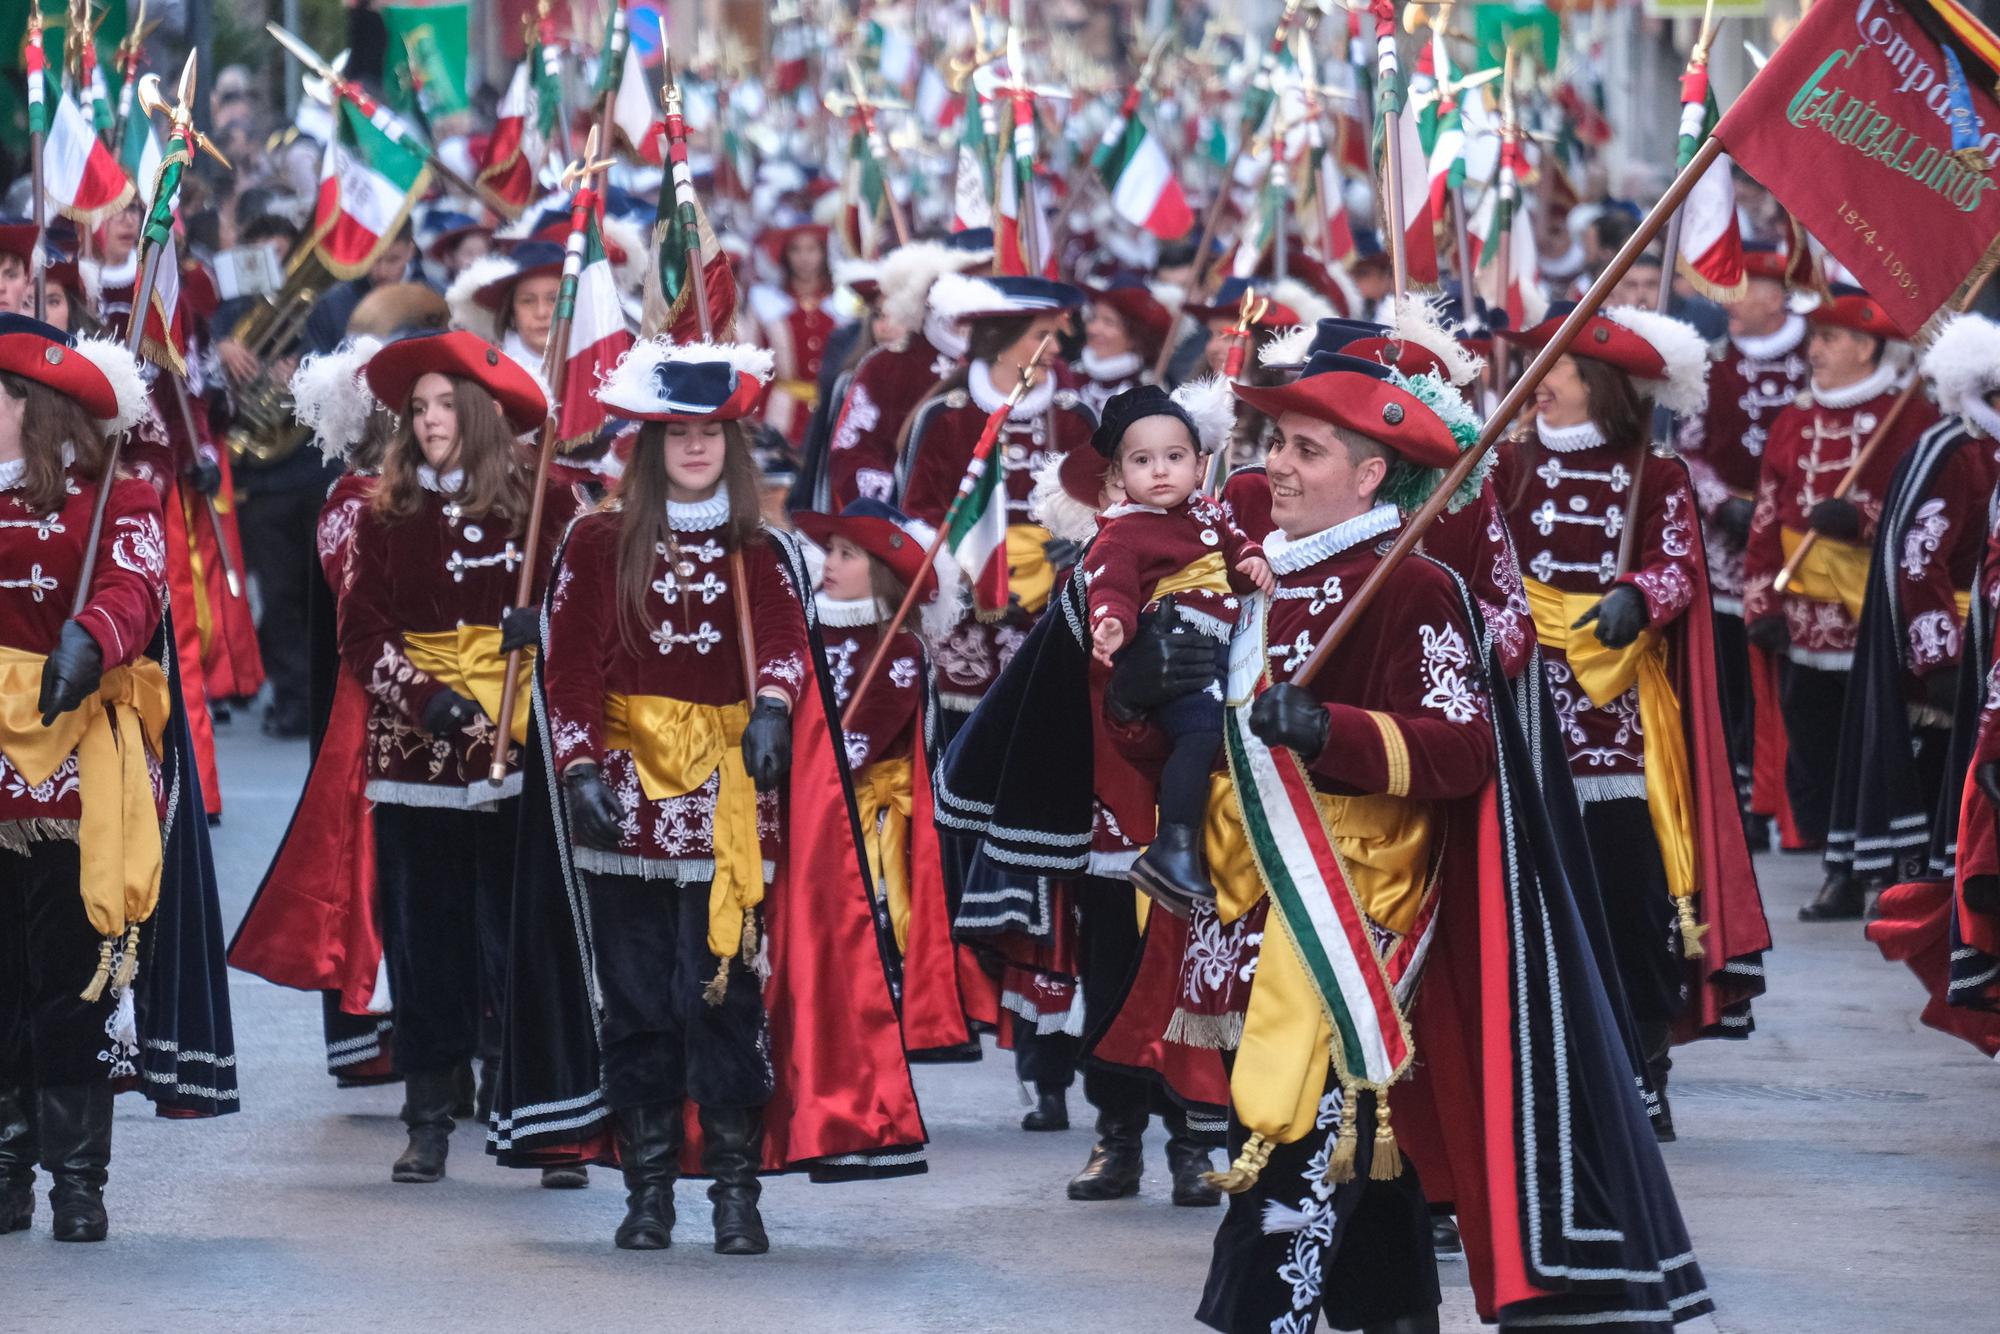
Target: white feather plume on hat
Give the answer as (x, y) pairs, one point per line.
(631, 380)
(128, 382)
(1052, 506)
(908, 272)
(331, 398)
(630, 239)
(1685, 390)
(1211, 405)
(1963, 362)
(462, 297)
(953, 296)
(940, 613)
(1288, 348)
(1310, 305)
(1416, 321)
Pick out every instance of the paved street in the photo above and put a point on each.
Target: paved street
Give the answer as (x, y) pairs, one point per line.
(1834, 1170)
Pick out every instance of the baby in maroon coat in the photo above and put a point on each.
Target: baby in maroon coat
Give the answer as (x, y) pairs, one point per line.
(1166, 540)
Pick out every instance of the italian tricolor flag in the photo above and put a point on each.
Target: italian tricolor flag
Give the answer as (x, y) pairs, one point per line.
(1417, 227)
(1020, 232)
(976, 527)
(1506, 288)
(598, 336)
(1138, 176)
(515, 146)
(622, 77)
(370, 178)
(79, 172)
(165, 338)
(1711, 247)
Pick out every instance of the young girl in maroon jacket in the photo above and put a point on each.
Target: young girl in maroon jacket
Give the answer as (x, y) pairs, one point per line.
(1168, 540)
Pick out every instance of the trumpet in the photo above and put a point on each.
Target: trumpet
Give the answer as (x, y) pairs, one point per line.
(265, 431)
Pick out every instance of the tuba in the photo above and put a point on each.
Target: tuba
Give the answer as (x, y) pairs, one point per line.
(265, 430)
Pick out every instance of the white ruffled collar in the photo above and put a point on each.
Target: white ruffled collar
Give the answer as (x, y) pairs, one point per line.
(1128, 507)
(699, 516)
(847, 613)
(1779, 342)
(1872, 385)
(13, 473)
(1980, 419)
(989, 397)
(1112, 369)
(448, 485)
(1290, 555)
(1569, 439)
(518, 352)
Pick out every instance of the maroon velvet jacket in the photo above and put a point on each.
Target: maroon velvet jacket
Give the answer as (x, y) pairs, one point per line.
(687, 649)
(1748, 386)
(1812, 445)
(1940, 556)
(886, 727)
(435, 571)
(338, 518)
(1139, 545)
(1475, 545)
(1569, 515)
(886, 388)
(41, 556)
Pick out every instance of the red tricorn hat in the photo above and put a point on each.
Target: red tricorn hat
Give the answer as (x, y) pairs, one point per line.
(1763, 260)
(394, 371)
(1665, 353)
(663, 381)
(774, 241)
(47, 355)
(1852, 308)
(884, 532)
(1360, 397)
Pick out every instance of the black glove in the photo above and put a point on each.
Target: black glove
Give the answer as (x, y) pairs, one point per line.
(1770, 633)
(448, 712)
(206, 476)
(1835, 518)
(594, 813)
(1062, 553)
(1164, 661)
(1288, 715)
(72, 673)
(767, 743)
(1732, 519)
(1620, 616)
(1941, 689)
(520, 627)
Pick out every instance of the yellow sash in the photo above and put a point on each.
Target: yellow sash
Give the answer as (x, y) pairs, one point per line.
(1030, 577)
(805, 392)
(1204, 574)
(1833, 571)
(676, 745)
(118, 837)
(1605, 674)
(469, 661)
(883, 792)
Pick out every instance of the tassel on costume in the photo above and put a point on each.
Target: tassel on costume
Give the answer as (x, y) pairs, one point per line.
(749, 951)
(718, 986)
(1691, 930)
(1340, 1163)
(1388, 1161)
(98, 979)
(128, 963)
(1242, 1173)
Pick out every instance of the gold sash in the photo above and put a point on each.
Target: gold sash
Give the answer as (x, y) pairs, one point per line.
(1030, 577)
(469, 661)
(883, 792)
(1833, 571)
(804, 392)
(1605, 674)
(676, 745)
(1204, 574)
(118, 837)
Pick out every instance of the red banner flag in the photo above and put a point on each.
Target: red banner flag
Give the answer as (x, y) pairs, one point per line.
(1876, 126)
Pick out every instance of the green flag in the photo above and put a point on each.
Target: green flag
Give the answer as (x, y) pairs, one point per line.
(424, 71)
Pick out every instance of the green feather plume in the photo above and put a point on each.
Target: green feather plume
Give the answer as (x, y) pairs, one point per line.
(1407, 486)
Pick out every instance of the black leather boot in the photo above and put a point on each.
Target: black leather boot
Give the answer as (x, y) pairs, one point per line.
(74, 1124)
(427, 1102)
(649, 1150)
(1421, 1322)
(1840, 899)
(732, 1138)
(1050, 1112)
(1116, 1161)
(1170, 873)
(1187, 1159)
(1445, 1241)
(18, 1154)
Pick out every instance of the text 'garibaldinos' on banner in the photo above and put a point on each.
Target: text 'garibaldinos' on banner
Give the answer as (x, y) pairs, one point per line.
(1875, 124)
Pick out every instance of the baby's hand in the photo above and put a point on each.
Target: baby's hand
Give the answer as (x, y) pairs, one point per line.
(1105, 639)
(1258, 571)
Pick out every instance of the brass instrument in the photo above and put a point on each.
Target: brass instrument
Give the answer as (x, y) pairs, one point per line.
(264, 430)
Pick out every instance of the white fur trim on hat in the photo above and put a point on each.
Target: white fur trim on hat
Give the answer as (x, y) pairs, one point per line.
(848, 272)
(1055, 509)
(1310, 305)
(1288, 348)
(1685, 390)
(1212, 406)
(331, 399)
(1963, 362)
(631, 380)
(128, 382)
(1416, 321)
(630, 238)
(908, 272)
(953, 296)
(463, 300)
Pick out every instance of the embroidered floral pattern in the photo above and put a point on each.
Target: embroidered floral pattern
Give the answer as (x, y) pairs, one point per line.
(1447, 686)
(1926, 534)
(1934, 638)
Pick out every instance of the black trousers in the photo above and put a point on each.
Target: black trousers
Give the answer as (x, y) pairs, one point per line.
(1812, 702)
(663, 1041)
(280, 545)
(1645, 926)
(49, 1035)
(1107, 955)
(1359, 1252)
(1738, 703)
(445, 879)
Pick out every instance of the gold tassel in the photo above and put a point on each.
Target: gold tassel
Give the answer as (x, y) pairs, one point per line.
(749, 951)
(1691, 930)
(718, 986)
(1242, 1173)
(1388, 1161)
(95, 991)
(1340, 1163)
(128, 967)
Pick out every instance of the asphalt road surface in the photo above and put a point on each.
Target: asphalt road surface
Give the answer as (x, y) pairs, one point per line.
(1836, 1172)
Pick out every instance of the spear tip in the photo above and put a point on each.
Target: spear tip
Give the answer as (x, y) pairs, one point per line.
(184, 94)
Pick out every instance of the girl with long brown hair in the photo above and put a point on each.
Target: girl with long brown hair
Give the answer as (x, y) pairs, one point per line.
(426, 621)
